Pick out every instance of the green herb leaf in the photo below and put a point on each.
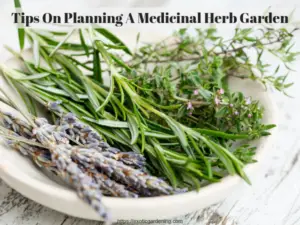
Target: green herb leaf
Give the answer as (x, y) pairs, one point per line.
(65, 86)
(134, 128)
(159, 135)
(180, 135)
(86, 49)
(21, 31)
(62, 42)
(120, 63)
(92, 97)
(108, 123)
(113, 38)
(97, 66)
(220, 134)
(164, 163)
(33, 77)
(52, 90)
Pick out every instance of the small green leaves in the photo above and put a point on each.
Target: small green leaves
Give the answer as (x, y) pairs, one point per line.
(245, 153)
(221, 112)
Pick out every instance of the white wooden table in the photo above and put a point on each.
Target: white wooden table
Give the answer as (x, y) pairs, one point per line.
(273, 199)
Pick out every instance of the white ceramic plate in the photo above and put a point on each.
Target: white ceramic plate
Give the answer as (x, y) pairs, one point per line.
(23, 176)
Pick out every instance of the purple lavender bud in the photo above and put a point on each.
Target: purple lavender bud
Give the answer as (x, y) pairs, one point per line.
(113, 150)
(82, 140)
(60, 138)
(55, 106)
(79, 125)
(70, 118)
(104, 145)
(118, 171)
(63, 128)
(86, 180)
(128, 158)
(92, 145)
(86, 130)
(60, 162)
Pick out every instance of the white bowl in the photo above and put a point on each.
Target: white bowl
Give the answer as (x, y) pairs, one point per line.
(19, 173)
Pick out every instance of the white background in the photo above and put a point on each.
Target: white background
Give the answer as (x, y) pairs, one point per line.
(273, 199)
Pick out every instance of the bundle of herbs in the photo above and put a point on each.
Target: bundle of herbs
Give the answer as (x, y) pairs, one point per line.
(167, 110)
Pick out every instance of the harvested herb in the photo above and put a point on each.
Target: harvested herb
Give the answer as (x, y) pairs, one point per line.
(167, 111)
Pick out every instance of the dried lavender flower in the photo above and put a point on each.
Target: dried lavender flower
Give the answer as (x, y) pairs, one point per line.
(108, 186)
(142, 182)
(86, 187)
(100, 162)
(42, 157)
(85, 135)
(72, 128)
(39, 156)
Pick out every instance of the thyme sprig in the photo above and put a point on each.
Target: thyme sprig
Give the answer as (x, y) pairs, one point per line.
(207, 47)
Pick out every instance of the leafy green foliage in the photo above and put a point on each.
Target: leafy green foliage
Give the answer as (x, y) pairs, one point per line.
(171, 100)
